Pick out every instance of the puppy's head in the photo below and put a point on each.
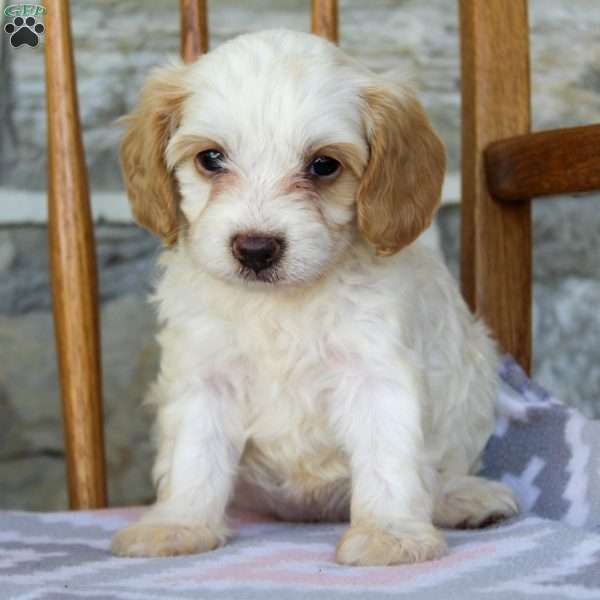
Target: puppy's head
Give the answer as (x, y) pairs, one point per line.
(270, 156)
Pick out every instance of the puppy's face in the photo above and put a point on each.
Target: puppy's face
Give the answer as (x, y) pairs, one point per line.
(268, 157)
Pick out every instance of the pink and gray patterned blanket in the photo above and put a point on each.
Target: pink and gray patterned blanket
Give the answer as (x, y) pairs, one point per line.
(547, 452)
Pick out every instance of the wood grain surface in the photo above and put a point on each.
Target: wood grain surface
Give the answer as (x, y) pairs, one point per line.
(544, 163)
(73, 270)
(194, 29)
(495, 238)
(325, 19)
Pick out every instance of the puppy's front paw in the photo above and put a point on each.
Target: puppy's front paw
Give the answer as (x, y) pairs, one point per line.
(409, 543)
(145, 539)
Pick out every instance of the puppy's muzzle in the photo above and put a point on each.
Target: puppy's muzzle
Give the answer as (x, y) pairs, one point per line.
(257, 252)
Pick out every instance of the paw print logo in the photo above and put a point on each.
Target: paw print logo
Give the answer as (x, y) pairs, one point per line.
(24, 31)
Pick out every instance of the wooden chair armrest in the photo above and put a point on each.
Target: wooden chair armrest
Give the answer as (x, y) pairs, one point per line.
(544, 163)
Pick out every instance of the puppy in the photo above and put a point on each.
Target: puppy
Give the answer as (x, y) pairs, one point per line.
(317, 361)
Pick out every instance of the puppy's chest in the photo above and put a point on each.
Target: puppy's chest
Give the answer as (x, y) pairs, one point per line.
(289, 394)
(295, 361)
(289, 382)
(284, 351)
(295, 365)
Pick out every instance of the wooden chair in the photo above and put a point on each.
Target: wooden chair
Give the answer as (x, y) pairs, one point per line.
(503, 166)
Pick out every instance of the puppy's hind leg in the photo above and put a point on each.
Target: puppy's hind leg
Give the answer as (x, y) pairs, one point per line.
(468, 502)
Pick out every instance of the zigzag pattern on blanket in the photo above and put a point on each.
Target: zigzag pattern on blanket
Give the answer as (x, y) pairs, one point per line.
(65, 555)
(549, 453)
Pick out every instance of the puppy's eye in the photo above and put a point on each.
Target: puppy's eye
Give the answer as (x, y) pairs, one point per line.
(211, 160)
(324, 166)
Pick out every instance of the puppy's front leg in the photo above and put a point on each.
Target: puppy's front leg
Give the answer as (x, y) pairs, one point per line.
(200, 446)
(379, 423)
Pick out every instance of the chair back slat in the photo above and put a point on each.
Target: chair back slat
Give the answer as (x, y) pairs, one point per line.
(73, 270)
(325, 19)
(495, 237)
(194, 29)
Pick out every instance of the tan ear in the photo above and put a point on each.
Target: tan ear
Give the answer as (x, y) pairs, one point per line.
(401, 187)
(151, 188)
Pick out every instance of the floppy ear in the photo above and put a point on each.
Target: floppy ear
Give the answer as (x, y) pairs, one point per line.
(151, 188)
(401, 187)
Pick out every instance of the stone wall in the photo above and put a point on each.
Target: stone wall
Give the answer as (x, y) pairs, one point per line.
(31, 444)
(116, 43)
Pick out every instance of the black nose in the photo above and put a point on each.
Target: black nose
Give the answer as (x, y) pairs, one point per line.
(257, 252)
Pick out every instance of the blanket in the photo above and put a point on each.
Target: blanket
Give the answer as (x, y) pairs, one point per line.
(546, 451)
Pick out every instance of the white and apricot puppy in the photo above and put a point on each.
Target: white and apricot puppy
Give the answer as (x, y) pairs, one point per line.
(316, 360)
